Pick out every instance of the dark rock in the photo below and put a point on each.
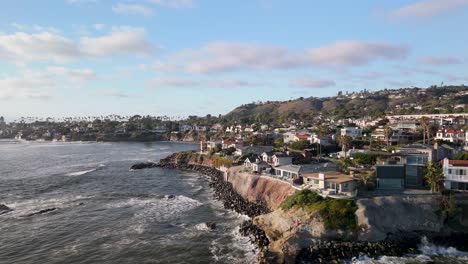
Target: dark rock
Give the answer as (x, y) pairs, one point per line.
(170, 196)
(211, 225)
(42, 212)
(4, 209)
(143, 165)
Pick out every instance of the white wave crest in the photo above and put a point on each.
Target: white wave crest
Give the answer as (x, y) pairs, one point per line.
(79, 173)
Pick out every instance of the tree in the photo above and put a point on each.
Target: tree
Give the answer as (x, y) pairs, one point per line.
(426, 125)
(434, 176)
(388, 132)
(345, 142)
(300, 145)
(365, 178)
(461, 156)
(279, 142)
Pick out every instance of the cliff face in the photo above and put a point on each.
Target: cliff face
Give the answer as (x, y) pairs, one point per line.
(190, 136)
(254, 188)
(380, 216)
(291, 230)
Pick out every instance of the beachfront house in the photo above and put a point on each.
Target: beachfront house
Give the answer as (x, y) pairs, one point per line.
(276, 159)
(255, 164)
(257, 150)
(293, 172)
(331, 183)
(390, 176)
(455, 174)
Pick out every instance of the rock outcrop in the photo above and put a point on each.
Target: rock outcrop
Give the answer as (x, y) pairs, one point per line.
(4, 209)
(380, 216)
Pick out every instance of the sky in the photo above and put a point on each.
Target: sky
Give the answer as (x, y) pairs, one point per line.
(63, 58)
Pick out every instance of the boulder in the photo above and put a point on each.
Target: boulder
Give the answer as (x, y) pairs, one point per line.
(211, 225)
(42, 212)
(4, 209)
(143, 165)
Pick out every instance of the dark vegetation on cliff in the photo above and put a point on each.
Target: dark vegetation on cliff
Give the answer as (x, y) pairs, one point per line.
(336, 213)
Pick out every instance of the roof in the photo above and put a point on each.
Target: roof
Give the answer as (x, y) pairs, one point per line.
(461, 163)
(303, 136)
(331, 176)
(450, 130)
(309, 168)
(280, 155)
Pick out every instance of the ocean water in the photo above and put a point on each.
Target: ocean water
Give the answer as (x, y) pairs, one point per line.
(106, 213)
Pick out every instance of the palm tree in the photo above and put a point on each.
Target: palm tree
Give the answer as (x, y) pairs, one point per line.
(425, 124)
(434, 176)
(345, 142)
(388, 132)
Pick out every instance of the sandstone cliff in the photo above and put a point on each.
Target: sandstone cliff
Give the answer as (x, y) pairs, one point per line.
(255, 188)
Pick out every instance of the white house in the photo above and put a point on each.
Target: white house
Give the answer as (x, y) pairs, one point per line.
(257, 150)
(296, 171)
(255, 164)
(280, 159)
(451, 135)
(455, 174)
(352, 132)
(331, 183)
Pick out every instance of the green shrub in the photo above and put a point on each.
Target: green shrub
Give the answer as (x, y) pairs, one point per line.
(300, 145)
(301, 199)
(336, 213)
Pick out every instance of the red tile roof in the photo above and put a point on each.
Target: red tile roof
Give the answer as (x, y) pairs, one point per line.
(304, 136)
(458, 162)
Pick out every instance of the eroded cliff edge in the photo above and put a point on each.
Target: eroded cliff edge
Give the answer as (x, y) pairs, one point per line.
(384, 225)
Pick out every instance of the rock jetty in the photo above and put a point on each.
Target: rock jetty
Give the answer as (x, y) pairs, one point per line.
(223, 191)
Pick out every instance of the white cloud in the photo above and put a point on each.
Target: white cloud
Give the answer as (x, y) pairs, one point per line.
(77, 75)
(182, 83)
(439, 60)
(311, 83)
(173, 3)
(120, 41)
(42, 84)
(37, 46)
(30, 85)
(48, 46)
(428, 8)
(225, 56)
(111, 93)
(355, 53)
(132, 9)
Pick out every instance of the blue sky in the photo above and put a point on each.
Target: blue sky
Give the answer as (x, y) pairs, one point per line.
(182, 57)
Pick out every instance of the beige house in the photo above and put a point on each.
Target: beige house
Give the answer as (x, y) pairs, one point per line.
(331, 183)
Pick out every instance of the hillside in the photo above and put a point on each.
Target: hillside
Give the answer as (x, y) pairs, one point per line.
(432, 100)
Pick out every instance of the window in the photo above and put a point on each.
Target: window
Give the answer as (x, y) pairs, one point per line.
(450, 171)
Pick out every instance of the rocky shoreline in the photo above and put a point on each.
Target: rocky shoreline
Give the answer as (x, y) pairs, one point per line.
(223, 191)
(319, 251)
(335, 251)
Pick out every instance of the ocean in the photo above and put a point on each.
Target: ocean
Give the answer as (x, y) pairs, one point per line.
(105, 213)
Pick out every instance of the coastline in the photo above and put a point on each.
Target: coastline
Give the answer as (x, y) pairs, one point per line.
(312, 250)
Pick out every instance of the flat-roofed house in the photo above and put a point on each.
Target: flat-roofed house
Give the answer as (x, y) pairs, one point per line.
(331, 182)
